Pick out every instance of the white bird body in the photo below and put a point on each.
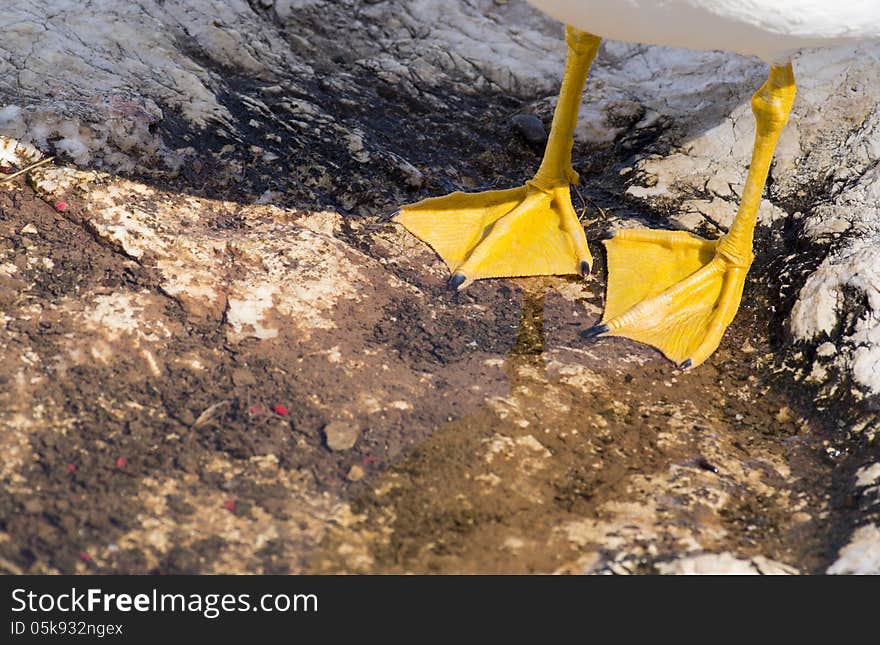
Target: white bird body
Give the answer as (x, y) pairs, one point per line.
(770, 29)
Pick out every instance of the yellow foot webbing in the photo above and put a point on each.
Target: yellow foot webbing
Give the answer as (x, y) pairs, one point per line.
(530, 230)
(517, 232)
(677, 292)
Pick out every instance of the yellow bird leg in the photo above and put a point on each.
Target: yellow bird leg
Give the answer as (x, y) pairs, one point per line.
(529, 230)
(676, 291)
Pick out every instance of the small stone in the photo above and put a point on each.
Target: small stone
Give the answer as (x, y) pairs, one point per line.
(784, 414)
(340, 435)
(531, 128)
(355, 473)
(826, 349)
(243, 377)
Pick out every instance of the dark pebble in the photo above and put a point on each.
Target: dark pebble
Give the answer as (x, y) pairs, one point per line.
(704, 463)
(530, 128)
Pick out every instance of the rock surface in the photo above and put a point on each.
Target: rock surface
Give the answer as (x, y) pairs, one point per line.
(205, 280)
(724, 564)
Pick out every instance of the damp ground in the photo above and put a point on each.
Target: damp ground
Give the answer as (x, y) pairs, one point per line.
(528, 449)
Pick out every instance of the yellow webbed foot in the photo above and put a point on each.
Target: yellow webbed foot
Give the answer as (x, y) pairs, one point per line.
(530, 230)
(502, 233)
(672, 290)
(679, 292)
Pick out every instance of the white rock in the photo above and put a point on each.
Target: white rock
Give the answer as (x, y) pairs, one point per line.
(862, 555)
(868, 475)
(724, 564)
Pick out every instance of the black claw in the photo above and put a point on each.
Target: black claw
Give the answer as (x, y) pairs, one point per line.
(686, 364)
(594, 331)
(607, 235)
(456, 280)
(388, 217)
(585, 268)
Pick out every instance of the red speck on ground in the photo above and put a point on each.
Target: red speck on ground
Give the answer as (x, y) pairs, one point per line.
(61, 206)
(229, 505)
(6, 170)
(368, 459)
(71, 467)
(280, 409)
(84, 556)
(121, 462)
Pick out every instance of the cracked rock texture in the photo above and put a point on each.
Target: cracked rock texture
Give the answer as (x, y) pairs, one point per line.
(205, 280)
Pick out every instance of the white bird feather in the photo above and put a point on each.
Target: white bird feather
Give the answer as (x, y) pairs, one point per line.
(770, 29)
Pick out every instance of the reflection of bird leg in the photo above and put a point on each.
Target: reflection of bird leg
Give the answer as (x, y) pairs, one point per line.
(529, 348)
(530, 337)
